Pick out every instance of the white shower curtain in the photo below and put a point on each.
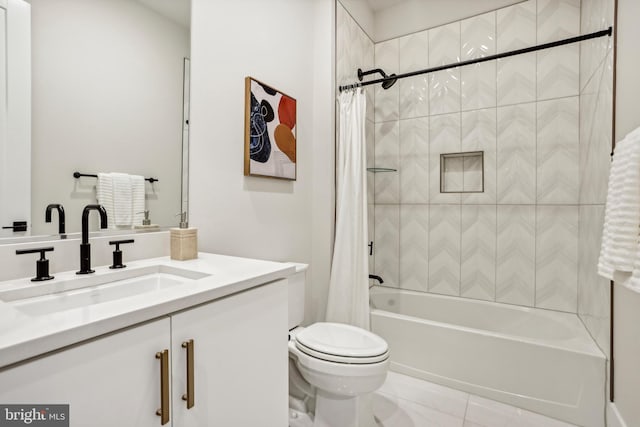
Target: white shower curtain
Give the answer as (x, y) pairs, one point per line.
(349, 286)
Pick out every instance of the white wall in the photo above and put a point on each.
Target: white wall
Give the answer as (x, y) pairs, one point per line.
(107, 97)
(626, 318)
(288, 45)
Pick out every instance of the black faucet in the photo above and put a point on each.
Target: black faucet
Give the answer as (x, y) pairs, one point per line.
(85, 247)
(60, 209)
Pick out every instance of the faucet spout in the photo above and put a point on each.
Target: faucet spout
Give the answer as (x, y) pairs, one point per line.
(61, 218)
(85, 220)
(85, 247)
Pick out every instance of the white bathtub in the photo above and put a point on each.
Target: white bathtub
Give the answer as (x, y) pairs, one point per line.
(541, 360)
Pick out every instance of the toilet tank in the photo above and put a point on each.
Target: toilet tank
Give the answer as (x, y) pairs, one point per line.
(297, 283)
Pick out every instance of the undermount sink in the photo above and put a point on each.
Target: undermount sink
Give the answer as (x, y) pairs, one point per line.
(85, 291)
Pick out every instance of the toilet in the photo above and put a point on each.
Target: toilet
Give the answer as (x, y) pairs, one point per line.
(333, 367)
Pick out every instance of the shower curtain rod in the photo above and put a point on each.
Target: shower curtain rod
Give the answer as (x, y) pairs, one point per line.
(589, 36)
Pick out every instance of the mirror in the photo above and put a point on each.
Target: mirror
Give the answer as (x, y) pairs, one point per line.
(107, 85)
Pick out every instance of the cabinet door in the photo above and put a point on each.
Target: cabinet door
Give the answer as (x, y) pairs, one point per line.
(110, 381)
(240, 358)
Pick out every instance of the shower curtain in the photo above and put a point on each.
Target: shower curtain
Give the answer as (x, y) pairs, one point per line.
(348, 300)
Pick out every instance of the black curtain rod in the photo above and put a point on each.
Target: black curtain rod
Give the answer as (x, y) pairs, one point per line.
(78, 175)
(597, 34)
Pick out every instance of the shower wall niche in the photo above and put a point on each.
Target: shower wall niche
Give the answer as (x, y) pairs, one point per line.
(543, 123)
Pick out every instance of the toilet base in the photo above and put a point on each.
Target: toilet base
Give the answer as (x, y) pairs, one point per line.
(333, 410)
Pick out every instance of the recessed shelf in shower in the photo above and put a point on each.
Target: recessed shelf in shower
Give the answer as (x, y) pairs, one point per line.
(462, 172)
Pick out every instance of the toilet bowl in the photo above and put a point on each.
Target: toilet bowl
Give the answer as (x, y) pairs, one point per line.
(344, 364)
(333, 368)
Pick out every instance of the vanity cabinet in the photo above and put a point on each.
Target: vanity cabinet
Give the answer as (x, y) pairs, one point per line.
(238, 375)
(241, 360)
(111, 381)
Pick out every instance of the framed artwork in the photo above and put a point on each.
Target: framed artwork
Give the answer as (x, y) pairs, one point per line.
(270, 132)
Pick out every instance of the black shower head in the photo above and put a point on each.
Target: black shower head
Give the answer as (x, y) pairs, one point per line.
(386, 84)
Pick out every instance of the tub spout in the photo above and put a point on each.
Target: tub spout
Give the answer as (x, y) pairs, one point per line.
(378, 278)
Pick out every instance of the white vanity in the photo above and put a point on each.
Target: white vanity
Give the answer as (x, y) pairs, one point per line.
(201, 343)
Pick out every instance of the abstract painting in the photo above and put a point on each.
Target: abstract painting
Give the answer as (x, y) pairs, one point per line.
(270, 132)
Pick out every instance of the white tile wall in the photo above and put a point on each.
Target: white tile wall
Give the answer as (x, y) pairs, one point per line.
(544, 153)
(387, 243)
(516, 26)
(515, 260)
(414, 92)
(596, 97)
(557, 151)
(444, 137)
(414, 247)
(444, 86)
(387, 57)
(558, 19)
(595, 134)
(478, 36)
(593, 291)
(414, 160)
(444, 249)
(517, 79)
(387, 154)
(558, 72)
(479, 134)
(478, 252)
(557, 257)
(478, 86)
(444, 44)
(516, 154)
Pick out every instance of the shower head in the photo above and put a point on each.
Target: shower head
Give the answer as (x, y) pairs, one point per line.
(386, 84)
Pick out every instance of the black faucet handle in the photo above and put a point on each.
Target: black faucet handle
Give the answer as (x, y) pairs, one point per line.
(17, 226)
(117, 254)
(42, 265)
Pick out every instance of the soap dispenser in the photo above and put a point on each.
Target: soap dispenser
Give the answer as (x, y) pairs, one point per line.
(146, 222)
(184, 241)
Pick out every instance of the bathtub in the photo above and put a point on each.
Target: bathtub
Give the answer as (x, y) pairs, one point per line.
(540, 360)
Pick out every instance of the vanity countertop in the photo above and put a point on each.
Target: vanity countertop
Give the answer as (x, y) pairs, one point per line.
(24, 336)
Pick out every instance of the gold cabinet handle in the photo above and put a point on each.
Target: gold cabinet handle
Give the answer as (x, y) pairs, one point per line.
(190, 395)
(163, 412)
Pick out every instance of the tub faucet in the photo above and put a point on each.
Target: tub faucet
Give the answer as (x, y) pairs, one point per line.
(85, 247)
(60, 209)
(378, 278)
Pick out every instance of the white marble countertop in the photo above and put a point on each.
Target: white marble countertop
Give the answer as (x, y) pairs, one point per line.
(24, 336)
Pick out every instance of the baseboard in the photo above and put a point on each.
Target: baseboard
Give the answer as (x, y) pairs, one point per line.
(614, 419)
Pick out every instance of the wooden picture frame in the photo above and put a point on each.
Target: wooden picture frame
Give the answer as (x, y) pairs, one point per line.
(270, 132)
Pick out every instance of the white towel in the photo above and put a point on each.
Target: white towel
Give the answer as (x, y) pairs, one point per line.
(619, 250)
(104, 194)
(123, 197)
(137, 199)
(122, 201)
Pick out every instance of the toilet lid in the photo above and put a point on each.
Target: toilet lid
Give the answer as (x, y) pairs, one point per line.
(344, 342)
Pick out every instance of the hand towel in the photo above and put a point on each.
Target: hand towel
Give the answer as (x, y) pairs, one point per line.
(104, 194)
(122, 200)
(137, 198)
(619, 249)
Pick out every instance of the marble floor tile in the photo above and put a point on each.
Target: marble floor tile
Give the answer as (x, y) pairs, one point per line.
(434, 396)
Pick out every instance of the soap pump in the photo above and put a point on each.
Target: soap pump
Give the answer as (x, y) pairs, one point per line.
(184, 240)
(146, 222)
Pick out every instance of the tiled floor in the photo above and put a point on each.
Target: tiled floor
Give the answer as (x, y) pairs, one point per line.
(404, 401)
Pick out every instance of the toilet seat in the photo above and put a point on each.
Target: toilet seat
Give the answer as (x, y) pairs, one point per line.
(340, 343)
